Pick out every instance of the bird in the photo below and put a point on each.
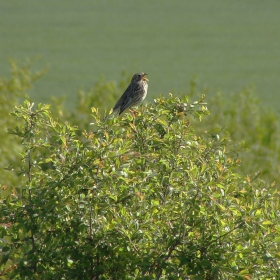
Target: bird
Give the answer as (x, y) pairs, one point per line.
(134, 95)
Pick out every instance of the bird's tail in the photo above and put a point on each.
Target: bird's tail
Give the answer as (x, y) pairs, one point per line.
(112, 114)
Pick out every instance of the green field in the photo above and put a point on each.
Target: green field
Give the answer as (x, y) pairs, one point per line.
(226, 44)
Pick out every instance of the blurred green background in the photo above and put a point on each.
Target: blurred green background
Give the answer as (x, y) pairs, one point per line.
(226, 44)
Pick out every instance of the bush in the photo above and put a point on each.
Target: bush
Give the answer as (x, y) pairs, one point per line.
(138, 197)
(253, 128)
(11, 90)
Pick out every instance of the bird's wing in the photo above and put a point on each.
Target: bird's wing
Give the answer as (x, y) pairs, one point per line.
(128, 97)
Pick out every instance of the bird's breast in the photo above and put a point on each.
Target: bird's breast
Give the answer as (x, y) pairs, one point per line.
(145, 89)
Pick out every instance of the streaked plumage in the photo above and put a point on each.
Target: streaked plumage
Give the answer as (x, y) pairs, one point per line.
(133, 95)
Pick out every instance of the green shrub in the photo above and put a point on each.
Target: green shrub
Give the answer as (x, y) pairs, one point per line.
(253, 128)
(12, 89)
(138, 197)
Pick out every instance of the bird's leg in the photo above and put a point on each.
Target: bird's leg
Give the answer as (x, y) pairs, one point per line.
(134, 113)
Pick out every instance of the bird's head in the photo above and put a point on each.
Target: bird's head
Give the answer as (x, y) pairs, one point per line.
(138, 77)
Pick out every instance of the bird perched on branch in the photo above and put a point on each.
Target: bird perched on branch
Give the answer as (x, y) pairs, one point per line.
(133, 95)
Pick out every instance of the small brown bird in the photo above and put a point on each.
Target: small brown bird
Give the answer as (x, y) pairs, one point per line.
(134, 94)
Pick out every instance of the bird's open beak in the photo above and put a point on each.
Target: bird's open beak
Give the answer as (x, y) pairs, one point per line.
(144, 78)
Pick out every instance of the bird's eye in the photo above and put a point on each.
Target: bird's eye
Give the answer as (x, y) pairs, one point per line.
(139, 75)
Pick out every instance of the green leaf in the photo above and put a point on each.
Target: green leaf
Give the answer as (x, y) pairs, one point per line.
(267, 222)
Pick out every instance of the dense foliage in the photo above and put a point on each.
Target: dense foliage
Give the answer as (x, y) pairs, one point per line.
(253, 128)
(11, 90)
(144, 196)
